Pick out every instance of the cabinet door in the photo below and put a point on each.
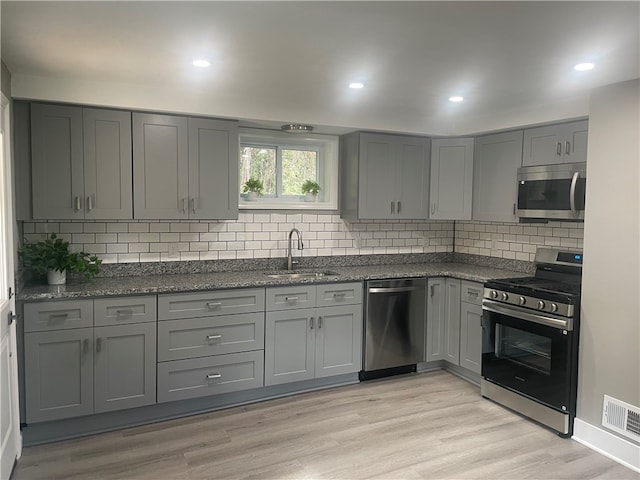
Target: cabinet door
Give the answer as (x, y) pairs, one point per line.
(58, 374)
(496, 161)
(576, 134)
(435, 319)
(213, 169)
(412, 178)
(107, 164)
(125, 366)
(57, 167)
(160, 167)
(452, 321)
(470, 336)
(377, 177)
(338, 340)
(289, 353)
(451, 179)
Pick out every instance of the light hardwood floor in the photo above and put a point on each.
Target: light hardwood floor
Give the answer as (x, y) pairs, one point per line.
(422, 426)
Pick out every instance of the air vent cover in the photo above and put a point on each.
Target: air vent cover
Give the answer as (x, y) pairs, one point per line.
(621, 417)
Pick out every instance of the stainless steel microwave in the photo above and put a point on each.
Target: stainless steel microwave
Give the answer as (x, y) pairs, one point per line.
(552, 192)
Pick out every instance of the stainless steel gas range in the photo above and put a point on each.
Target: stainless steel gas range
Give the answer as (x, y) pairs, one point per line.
(531, 327)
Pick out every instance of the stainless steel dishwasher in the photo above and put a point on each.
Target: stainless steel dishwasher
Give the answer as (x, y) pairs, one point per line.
(395, 319)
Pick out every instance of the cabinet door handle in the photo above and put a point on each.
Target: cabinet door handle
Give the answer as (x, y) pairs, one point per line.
(194, 204)
(212, 305)
(212, 376)
(91, 204)
(214, 337)
(311, 323)
(393, 207)
(184, 205)
(432, 290)
(319, 323)
(99, 345)
(514, 209)
(433, 208)
(77, 203)
(399, 206)
(567, 148)
(85, 346)
(559, 148)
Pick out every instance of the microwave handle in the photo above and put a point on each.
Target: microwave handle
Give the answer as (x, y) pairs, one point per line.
(572, 193)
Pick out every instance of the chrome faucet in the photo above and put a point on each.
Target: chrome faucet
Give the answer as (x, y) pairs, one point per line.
(290, 261)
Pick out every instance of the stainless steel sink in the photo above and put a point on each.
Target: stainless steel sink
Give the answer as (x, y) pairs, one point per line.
(297, 274)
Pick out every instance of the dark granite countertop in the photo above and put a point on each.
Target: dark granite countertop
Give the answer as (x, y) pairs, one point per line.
(194, 282)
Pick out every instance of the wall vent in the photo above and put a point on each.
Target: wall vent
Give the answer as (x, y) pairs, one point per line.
(621, 417)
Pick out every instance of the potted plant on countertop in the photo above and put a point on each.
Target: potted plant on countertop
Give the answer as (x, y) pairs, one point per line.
(253, 188)
(53, 258)
(311, 189)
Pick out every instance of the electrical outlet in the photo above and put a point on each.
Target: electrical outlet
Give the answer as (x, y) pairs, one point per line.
(173, 250)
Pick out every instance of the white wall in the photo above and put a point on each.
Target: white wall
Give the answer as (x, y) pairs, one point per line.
(610, 336)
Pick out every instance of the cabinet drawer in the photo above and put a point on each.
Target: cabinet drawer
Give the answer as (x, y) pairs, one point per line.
(471, 292)
(182, 379)
(63, 315)
(199, 337)
(222, 302)
(120, 311)
(339, 294)
(289, 297)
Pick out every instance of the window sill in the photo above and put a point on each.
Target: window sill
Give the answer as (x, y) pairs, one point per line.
(270, 205)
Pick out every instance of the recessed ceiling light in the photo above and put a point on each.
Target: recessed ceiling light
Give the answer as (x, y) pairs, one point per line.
(583, 67)
(456, 99)
(356, 85)
(201, 63)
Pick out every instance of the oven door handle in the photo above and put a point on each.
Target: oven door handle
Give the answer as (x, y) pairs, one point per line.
(559, 323)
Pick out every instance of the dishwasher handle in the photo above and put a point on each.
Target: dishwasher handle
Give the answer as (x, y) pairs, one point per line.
(390, 289)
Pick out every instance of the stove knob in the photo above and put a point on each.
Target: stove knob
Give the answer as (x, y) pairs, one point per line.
(554, 307)
(541, 305)
(505, 297)
(522, 300)
(493, 294)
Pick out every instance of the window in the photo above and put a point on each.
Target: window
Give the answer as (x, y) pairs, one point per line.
(283, 163)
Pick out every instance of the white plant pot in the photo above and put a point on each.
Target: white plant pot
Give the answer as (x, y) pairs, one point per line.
(56, 277)
(252, 196)
(310, 197)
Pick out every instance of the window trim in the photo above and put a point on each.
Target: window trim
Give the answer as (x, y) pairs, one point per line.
(326, 148)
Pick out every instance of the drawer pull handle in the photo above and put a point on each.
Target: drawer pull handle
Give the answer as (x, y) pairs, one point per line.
(213, 376)
(128, 312)
(473, 293)
(339, 295)
(214, 337)
(290, 299)
(58, 316)
(212, 305)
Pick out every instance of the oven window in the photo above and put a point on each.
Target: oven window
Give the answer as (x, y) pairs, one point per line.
(524, 348)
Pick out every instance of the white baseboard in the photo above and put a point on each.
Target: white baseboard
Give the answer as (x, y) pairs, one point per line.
(608, 444)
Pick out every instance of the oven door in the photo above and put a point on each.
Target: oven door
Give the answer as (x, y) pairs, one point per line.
(528, 353)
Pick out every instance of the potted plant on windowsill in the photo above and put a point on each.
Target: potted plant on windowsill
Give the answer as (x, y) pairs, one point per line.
(311, 189)
(53, 258)
(253, 188)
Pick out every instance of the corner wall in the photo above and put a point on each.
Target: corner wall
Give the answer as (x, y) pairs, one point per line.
(610, 322)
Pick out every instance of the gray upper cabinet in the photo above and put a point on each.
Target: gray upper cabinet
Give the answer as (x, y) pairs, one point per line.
(184, 168)
(213, 169)
(451, 179)
(384, 176)
(495, 166)
(561, 143)
(81, 163)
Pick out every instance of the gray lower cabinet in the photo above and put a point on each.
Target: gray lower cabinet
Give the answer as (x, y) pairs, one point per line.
(124, 366)
(210, 343)
(74, 368)
(454, 331)
(81, 162)
(307, 343)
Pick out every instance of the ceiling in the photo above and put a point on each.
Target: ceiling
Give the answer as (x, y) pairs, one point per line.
(282, 62)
